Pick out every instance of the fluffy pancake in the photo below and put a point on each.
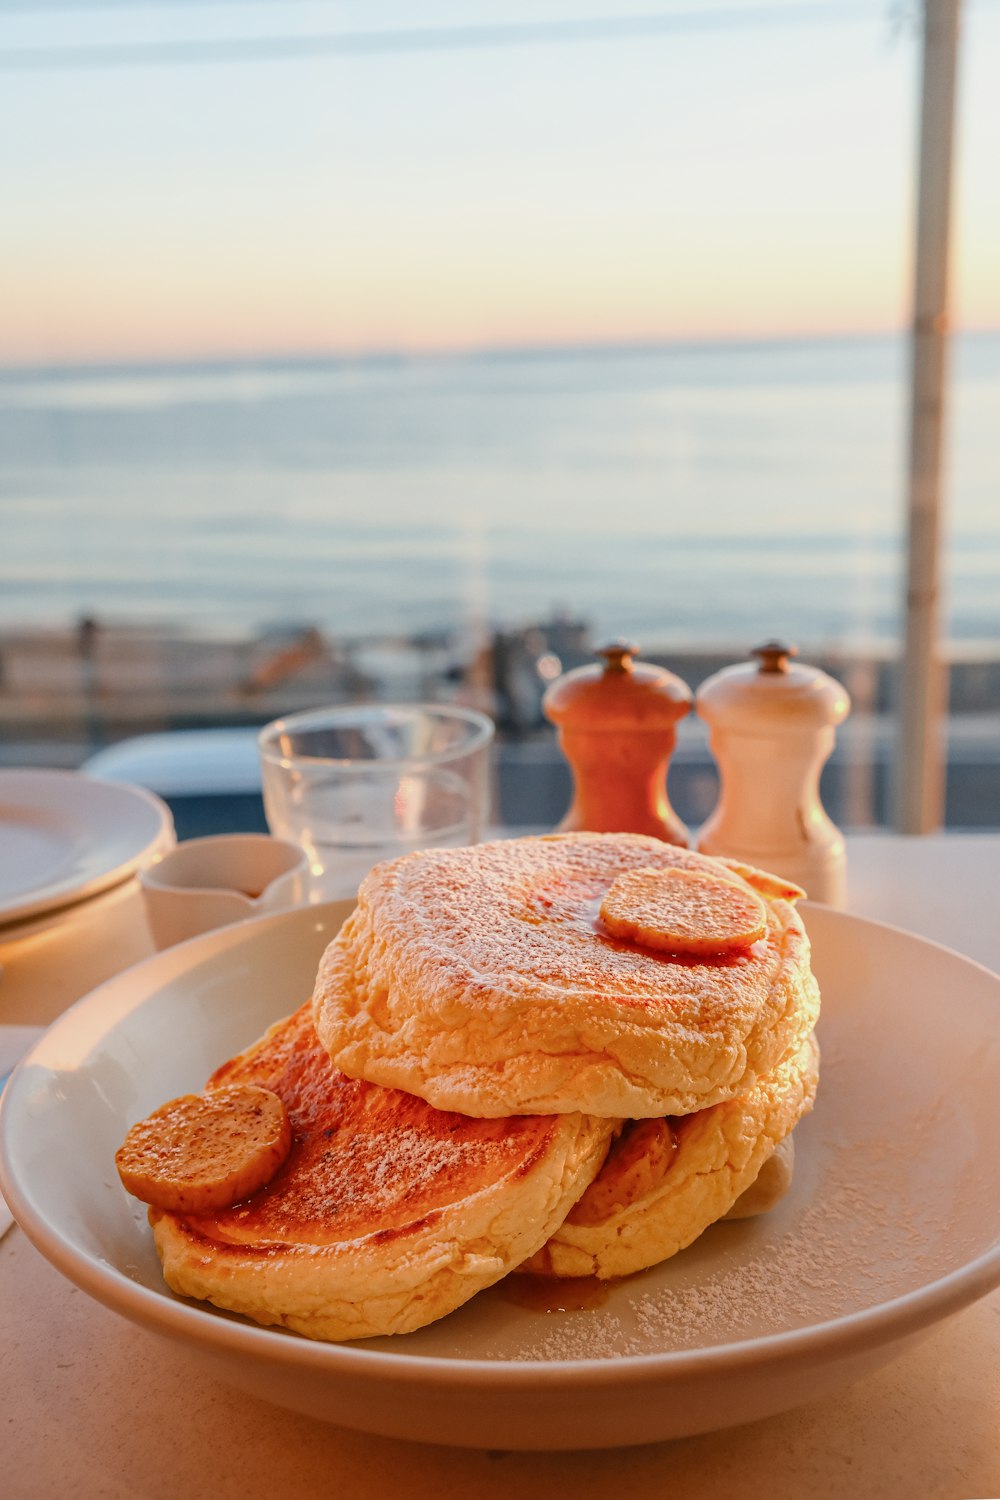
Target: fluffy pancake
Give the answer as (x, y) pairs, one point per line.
(484, 981)
(716, 1157)
(386, 1213)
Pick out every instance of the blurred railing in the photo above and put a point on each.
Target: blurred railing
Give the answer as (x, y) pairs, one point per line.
(66, 694)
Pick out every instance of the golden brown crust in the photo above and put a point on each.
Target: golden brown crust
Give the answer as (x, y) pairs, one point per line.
(481, 980)
(719, 1154)
(387, 1213)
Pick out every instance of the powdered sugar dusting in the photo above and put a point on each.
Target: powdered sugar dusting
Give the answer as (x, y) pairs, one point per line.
(820, 1255)
(841, 1257)
(603, 1337)
(408, 1156)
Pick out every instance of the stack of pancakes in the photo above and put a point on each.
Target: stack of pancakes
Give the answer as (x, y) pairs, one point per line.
(566, 1055)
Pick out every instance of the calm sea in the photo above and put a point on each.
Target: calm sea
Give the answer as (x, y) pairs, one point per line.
(698, 495)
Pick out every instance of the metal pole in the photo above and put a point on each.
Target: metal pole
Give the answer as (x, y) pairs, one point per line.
(920, 764)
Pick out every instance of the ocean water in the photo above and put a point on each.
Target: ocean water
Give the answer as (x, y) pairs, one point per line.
(703, 495)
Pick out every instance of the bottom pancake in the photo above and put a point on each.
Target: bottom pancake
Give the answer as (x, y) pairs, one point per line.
(769, 1186)
(387, 1214)
(665, 1181)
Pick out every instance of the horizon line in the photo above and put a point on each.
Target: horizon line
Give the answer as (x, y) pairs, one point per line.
(399, 356)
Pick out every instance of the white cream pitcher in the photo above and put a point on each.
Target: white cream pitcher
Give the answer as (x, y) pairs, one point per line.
(210, 882)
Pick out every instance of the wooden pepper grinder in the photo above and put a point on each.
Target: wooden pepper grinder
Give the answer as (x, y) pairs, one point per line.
(617, 728)
(771, 729)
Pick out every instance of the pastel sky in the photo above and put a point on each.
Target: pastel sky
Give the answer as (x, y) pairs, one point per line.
(747, 172)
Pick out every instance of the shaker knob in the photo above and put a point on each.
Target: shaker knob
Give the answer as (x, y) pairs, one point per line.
(774, 656)
(617, 654)
(617, 728)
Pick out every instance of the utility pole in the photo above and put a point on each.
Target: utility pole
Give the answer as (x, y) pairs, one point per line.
(920, 753)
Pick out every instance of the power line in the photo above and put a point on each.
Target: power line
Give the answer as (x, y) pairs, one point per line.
(426, 39)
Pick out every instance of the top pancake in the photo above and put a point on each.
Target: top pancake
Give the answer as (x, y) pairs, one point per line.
(481, 980)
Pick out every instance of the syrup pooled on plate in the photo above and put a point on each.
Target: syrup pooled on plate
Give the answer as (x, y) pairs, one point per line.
(555, 1293)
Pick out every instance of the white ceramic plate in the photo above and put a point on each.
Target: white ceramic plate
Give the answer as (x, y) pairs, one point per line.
(893, 1221)
(65, 836)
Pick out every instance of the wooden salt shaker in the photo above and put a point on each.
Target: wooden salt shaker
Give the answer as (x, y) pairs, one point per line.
(771, 730)
(617, 728)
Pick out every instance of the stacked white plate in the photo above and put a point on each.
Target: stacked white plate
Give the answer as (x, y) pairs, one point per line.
(66, 837)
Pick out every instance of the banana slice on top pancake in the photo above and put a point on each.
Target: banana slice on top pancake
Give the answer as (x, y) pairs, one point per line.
(386, 1213)
(665, 1181)
(486, 980)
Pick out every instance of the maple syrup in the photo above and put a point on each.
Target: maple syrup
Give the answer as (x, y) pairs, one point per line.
(551, 1294)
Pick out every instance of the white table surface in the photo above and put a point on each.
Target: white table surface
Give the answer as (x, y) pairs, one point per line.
(92, 1406)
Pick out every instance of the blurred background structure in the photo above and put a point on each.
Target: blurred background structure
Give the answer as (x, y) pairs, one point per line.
(399, 355)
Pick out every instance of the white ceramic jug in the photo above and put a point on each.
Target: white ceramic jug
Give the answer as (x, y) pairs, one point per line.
(210, 882)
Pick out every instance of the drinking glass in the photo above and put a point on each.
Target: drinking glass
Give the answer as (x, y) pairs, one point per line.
(356, 784)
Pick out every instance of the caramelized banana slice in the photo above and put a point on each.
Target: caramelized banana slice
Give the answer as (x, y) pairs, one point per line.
(683, 911)
(206, 1151)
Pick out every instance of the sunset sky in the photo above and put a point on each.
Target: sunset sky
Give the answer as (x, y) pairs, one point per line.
(719, 172)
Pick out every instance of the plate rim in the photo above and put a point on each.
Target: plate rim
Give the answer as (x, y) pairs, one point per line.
(55, 896)
(165, 1313)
